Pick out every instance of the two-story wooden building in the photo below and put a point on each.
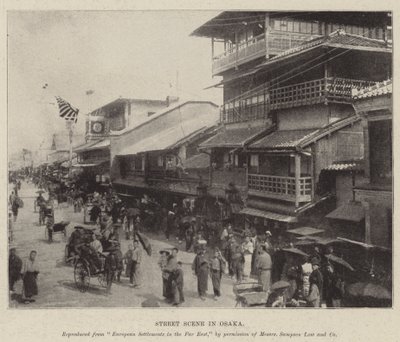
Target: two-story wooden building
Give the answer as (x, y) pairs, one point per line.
(287, 112)
(160, 156)
(111, 119)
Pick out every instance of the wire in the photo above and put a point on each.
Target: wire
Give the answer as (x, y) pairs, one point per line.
(261, 87)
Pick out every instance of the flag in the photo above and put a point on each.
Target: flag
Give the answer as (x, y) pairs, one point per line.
(89, 92)
(67, 112)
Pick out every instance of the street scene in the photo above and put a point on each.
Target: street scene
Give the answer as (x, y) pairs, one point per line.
(227, 159)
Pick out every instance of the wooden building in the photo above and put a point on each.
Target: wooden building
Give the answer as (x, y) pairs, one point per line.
(288, 80)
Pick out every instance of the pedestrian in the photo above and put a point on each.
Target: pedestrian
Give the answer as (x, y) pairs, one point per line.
(162, 262)
(170, 224)
(137, 254)
(200, 267)
(237, 263)
(177, 285)
(334, 288)
(49, 221)
(168, 273)
(263, 266)
(248, 250)
(119, 260)
(129, 270)
(110, 267)
(218, 267)
(316, 284)
(15, 207)
(189, 235)
(14, 268)
(306, 270)
(30, 272)
(10, 227)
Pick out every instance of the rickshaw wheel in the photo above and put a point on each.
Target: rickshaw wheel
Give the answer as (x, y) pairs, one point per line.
(82, 275)
(45, 233)
(66, 254)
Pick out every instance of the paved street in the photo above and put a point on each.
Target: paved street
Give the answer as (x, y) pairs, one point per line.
(56, 279)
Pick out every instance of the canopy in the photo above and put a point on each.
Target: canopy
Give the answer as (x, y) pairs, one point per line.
(352, 211)
(305, 231)
(268, 215)
(96, 163)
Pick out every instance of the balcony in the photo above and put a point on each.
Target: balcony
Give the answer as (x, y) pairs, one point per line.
(256, 47)
(282, 188)
(258, 104)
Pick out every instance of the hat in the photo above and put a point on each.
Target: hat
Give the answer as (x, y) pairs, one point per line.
(164, 252)
(79, 227)
(315, 261)
(268, 233)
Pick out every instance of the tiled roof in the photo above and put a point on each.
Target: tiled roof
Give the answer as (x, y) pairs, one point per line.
(349, 165)
(300, 138)
(352, 211)
(283, 139)
(233, 138)
(335, 39)
(381, 88)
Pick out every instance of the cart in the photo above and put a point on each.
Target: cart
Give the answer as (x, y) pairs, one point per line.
(83, 273)
(249, 294)
(58, 228)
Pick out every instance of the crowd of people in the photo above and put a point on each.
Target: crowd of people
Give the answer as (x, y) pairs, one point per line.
(219, 251)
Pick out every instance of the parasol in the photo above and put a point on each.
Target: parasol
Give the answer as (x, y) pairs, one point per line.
(132, 212)
(145, 242)
(295, 251)
(281, 284)
(340, 261)
(369, 290)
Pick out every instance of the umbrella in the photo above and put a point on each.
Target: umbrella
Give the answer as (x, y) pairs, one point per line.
(295, 251)
(340, 261)
(145, 242)
(281, 284)
(133, 211)
(369, 290)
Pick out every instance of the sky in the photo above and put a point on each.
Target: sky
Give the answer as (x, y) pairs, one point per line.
(134, 54)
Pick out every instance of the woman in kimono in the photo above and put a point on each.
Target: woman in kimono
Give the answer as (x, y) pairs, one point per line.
(201, 267)
(30, 272)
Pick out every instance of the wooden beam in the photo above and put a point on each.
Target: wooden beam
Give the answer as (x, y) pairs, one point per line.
(297, 170)
(212, 48)
(266, 34)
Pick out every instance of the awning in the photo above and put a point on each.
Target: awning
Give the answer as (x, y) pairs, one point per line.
(233, 138)
(198, 161)
(306, 231)
(97, 163)
(98, 145)
(268, 215)
(352, 211)
(83, 147)
(282, 139)
(167, 138)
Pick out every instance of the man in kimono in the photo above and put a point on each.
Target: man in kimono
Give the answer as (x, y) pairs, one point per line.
(137, 254)
(177, 285)
(218, 266)
(201, 267)
(30, 272)
(168, 273)
(263, 266)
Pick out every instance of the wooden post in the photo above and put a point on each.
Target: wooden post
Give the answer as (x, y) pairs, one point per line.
(266, 35)
(326, 82)
(312, 171)
(366, 149)
(212, 48)
(237, 50)
(297, 178)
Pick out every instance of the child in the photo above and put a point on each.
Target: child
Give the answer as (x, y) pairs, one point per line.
(177, 285)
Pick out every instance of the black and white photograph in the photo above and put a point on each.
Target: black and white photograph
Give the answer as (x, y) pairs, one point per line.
(179, 159)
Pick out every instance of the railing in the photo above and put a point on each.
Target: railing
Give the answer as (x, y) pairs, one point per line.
(256, 47)
(257, 105)
(280, 187)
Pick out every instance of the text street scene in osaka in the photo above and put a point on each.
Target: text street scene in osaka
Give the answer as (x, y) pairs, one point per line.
(200, 159)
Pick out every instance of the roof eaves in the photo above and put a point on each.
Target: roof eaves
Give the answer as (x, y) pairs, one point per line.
(328, 129)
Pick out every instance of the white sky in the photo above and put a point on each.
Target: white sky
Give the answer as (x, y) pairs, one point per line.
(131, 54)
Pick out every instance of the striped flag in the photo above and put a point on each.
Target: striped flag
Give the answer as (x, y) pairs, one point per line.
(67, 112)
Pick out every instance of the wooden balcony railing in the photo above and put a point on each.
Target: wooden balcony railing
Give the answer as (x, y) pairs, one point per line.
(280, 187)
(256, 47)
(258, 104)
